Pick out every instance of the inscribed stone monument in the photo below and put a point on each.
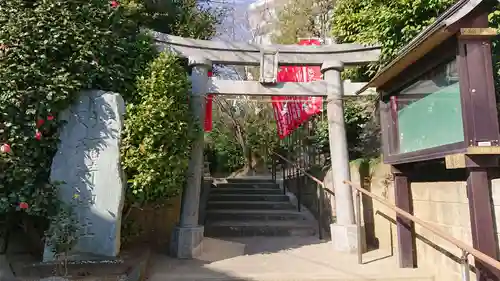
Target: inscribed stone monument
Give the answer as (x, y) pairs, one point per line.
(88, 162)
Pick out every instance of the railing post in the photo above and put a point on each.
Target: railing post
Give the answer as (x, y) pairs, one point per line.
(298, 187)
(320, 191)
(478, 255)
(358, 227)
(464, 260)
(283, 166)
(273, 166)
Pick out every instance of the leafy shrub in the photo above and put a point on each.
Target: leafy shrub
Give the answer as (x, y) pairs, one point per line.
(356, 116)
(224, 153)
(494, 19)
(158, 133)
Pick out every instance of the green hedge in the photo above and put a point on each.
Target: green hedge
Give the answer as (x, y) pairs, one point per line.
(158, 133)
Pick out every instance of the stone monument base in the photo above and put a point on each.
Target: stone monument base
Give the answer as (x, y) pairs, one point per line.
(345, 238)
(131, 265)
(187, 242)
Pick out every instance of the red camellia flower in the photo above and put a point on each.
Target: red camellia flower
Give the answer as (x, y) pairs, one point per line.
(38, 135)
(5, 148)
(23, 205)
(39, 123)
(50, 118)
(114, 4)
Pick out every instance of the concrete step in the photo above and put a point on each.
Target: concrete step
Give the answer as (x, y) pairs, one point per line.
(245, 191)
(249, 197)
(254, 215)
(250, 205)
(259, 228)
(250, 180)
(247, 185)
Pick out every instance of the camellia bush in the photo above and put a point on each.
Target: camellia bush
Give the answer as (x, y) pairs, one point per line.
(51, 50)
(159, 131)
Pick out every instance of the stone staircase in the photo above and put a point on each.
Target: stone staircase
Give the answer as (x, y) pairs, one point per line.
(254, 207)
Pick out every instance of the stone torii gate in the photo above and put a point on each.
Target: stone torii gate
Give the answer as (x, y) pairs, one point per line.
(188, 235)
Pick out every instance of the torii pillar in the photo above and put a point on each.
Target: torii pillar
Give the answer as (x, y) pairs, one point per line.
(344, 231)
(187, 237)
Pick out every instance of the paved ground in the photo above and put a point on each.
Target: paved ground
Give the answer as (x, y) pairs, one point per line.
(279, 259)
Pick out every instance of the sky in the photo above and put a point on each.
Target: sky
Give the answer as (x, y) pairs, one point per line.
(235, 25)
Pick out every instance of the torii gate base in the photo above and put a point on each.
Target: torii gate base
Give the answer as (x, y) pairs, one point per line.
(188, 235)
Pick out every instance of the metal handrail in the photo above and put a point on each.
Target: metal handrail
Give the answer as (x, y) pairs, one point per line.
(466, 249)
(302, 170)
(320, 187)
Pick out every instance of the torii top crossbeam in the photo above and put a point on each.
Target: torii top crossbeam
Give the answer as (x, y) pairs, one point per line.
(270, 57)
(241, 53)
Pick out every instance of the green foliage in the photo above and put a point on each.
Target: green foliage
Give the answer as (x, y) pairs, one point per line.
(223, 151)
(494, 19)
(242, 135)
(62, 234)
(158, 133)
(157, 122)
(356, 116)
(302, 19)
(50, 50)
(177, 17)
(295, 21)
(392, 24)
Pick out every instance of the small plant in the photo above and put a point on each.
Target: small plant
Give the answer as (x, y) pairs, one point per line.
(63, 234)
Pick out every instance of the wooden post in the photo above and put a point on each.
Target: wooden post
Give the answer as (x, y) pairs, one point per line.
(480, 119)
(405, 227)
(481, 220)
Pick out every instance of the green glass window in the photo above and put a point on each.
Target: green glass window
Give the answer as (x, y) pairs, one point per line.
(428, 113)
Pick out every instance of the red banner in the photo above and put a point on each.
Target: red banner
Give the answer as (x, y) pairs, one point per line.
(281, 116)
(208, 110)
(291, 112)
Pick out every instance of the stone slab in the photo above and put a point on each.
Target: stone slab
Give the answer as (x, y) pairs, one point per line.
(88, 164)
(187, 242)
(130, 266)
(345, 238)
